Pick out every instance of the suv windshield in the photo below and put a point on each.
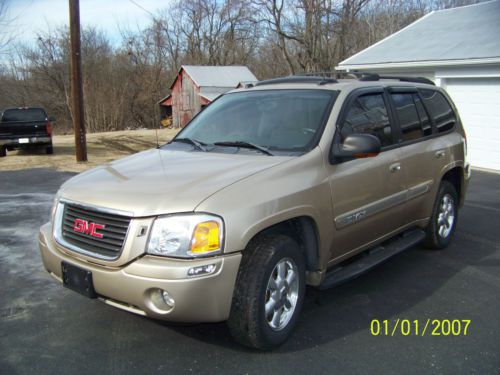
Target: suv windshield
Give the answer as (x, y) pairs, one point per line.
(278, 120)
(24, 114)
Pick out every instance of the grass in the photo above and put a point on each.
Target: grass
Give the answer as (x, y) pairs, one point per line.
(101, 148)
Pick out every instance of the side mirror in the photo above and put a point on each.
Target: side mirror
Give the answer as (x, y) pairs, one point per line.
(358, 146)
(52, 119)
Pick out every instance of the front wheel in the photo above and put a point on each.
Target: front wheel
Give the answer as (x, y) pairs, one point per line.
(443, 222)
(269, 292)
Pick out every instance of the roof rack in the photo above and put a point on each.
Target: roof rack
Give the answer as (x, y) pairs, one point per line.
(329, 74)
(297, 79)
(377, 77)
(323, 78)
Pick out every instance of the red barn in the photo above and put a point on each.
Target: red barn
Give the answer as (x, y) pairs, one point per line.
(196, 86)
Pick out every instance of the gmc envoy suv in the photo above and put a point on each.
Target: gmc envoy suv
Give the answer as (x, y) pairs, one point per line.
(294, 181)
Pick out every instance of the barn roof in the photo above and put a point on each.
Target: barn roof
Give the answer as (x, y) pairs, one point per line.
(212, 93)
(218, 76)
(464, 33)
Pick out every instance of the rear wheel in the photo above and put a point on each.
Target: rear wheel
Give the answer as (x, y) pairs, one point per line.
(3, 152)
(49, 150)
(269, 292)
(443, 222)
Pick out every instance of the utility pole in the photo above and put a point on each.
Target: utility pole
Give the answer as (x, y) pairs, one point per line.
(76, 82)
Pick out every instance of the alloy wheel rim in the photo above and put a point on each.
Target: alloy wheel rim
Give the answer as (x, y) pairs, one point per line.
(446, 217)
(282, 294)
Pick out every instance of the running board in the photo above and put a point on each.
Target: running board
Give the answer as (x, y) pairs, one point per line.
(372, 258)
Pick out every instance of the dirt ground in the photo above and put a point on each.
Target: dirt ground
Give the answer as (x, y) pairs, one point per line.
(101, 148)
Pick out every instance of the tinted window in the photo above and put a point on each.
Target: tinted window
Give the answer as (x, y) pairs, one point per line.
(439, 109)
(368, 115)
(422, 114)
(28, 114)
(409, 120)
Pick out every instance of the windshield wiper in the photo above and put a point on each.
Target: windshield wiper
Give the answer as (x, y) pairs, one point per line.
(244, 144)
(197, 144)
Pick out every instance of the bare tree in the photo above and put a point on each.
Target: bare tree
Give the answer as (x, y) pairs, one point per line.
(6, 22)
(273, 14)
(123, 84)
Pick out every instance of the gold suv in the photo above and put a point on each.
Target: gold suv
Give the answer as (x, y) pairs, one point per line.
(271, 188)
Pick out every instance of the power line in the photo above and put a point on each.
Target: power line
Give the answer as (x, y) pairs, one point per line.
(141, 7)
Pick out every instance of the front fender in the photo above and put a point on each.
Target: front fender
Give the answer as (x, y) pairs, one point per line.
(296, 188)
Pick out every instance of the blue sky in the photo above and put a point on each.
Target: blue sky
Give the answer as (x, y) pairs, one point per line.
(35, 15)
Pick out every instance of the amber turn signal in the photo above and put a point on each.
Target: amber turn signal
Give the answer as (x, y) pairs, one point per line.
(206, 237)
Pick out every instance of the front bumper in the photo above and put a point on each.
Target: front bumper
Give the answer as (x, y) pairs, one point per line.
(134, 287)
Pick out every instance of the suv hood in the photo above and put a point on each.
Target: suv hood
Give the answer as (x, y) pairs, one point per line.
(161, 181)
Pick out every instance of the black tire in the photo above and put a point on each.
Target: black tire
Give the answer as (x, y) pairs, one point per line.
(49, 150)
(434, 238)
(248, 321)
(3, 152)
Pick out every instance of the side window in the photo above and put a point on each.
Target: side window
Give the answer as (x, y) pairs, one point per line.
(368, 115)
(424, 117)
(409, 120)
(439, 109)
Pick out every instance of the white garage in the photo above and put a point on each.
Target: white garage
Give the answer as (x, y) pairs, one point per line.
(478, 103)
(459, 49)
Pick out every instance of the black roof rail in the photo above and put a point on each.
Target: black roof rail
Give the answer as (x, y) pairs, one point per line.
(297, 79)
(377, 77)
(327, 73)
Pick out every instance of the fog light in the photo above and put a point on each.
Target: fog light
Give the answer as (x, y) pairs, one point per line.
(202, 270)
(167, 298)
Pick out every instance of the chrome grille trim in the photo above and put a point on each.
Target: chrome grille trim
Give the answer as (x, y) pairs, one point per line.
(110, 248)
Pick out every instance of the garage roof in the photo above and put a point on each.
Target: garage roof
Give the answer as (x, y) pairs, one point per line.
(464, 33)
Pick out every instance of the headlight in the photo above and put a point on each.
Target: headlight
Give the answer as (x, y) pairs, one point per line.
(186, 236)
(54, 205)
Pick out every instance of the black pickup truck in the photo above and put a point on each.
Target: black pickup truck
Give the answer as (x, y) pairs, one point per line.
(22, 128)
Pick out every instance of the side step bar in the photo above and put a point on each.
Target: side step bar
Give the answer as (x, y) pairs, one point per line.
(372, 258)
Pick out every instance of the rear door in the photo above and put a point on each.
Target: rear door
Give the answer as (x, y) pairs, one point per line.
(367, 193)
(424, 153)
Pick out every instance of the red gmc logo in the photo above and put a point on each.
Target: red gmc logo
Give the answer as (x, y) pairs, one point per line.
(83, 226)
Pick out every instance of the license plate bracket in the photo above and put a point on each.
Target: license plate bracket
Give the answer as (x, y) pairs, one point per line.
(78, 280)
(24, 140)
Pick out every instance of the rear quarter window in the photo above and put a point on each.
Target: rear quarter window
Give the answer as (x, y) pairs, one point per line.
(439, 109)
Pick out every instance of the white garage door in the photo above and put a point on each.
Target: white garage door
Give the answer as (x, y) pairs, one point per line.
(478, 103)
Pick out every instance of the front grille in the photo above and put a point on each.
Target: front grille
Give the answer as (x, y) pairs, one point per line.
(113, 233)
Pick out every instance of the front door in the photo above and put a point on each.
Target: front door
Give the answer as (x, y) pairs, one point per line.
(368, 193)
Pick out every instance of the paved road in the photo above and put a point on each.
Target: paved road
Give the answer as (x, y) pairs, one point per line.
(46, 329)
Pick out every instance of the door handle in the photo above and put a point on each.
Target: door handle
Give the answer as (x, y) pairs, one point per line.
(440, 154)
(396, 167)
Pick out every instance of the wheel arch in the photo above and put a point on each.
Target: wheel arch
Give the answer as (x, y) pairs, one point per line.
(304, 230)
(455, 176)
